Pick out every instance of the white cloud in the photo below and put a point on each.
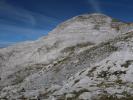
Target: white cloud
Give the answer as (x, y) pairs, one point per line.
(22, 14)
(32, 24)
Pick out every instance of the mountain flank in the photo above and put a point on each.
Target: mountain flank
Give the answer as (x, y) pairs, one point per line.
(88, 57)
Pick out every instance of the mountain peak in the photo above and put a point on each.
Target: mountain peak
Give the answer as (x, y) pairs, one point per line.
(94, 16)
(83, 21)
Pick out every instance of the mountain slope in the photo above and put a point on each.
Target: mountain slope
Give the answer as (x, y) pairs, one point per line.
(86, 55)
(109, 79)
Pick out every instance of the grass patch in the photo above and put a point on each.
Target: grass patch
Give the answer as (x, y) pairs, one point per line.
(115, 20)
(79, 45)
(113, 97)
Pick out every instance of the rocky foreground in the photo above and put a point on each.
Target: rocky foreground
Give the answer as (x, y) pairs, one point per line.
(89, 57)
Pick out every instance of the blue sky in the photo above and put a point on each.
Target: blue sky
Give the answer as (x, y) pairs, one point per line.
(22, 20)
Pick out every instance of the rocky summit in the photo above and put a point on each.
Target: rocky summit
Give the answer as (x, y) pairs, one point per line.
(88, 57)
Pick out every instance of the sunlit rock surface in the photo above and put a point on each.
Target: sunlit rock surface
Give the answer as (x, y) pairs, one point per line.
(88, 57)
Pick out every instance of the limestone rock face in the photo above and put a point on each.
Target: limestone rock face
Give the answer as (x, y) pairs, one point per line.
(88, 57)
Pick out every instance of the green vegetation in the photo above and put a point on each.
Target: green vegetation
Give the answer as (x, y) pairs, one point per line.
(79, 45)
(78, 93)
(113, 97)
(104, 84)
(104, 74)
(59, 62)
(119, 81)
(115, 20)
